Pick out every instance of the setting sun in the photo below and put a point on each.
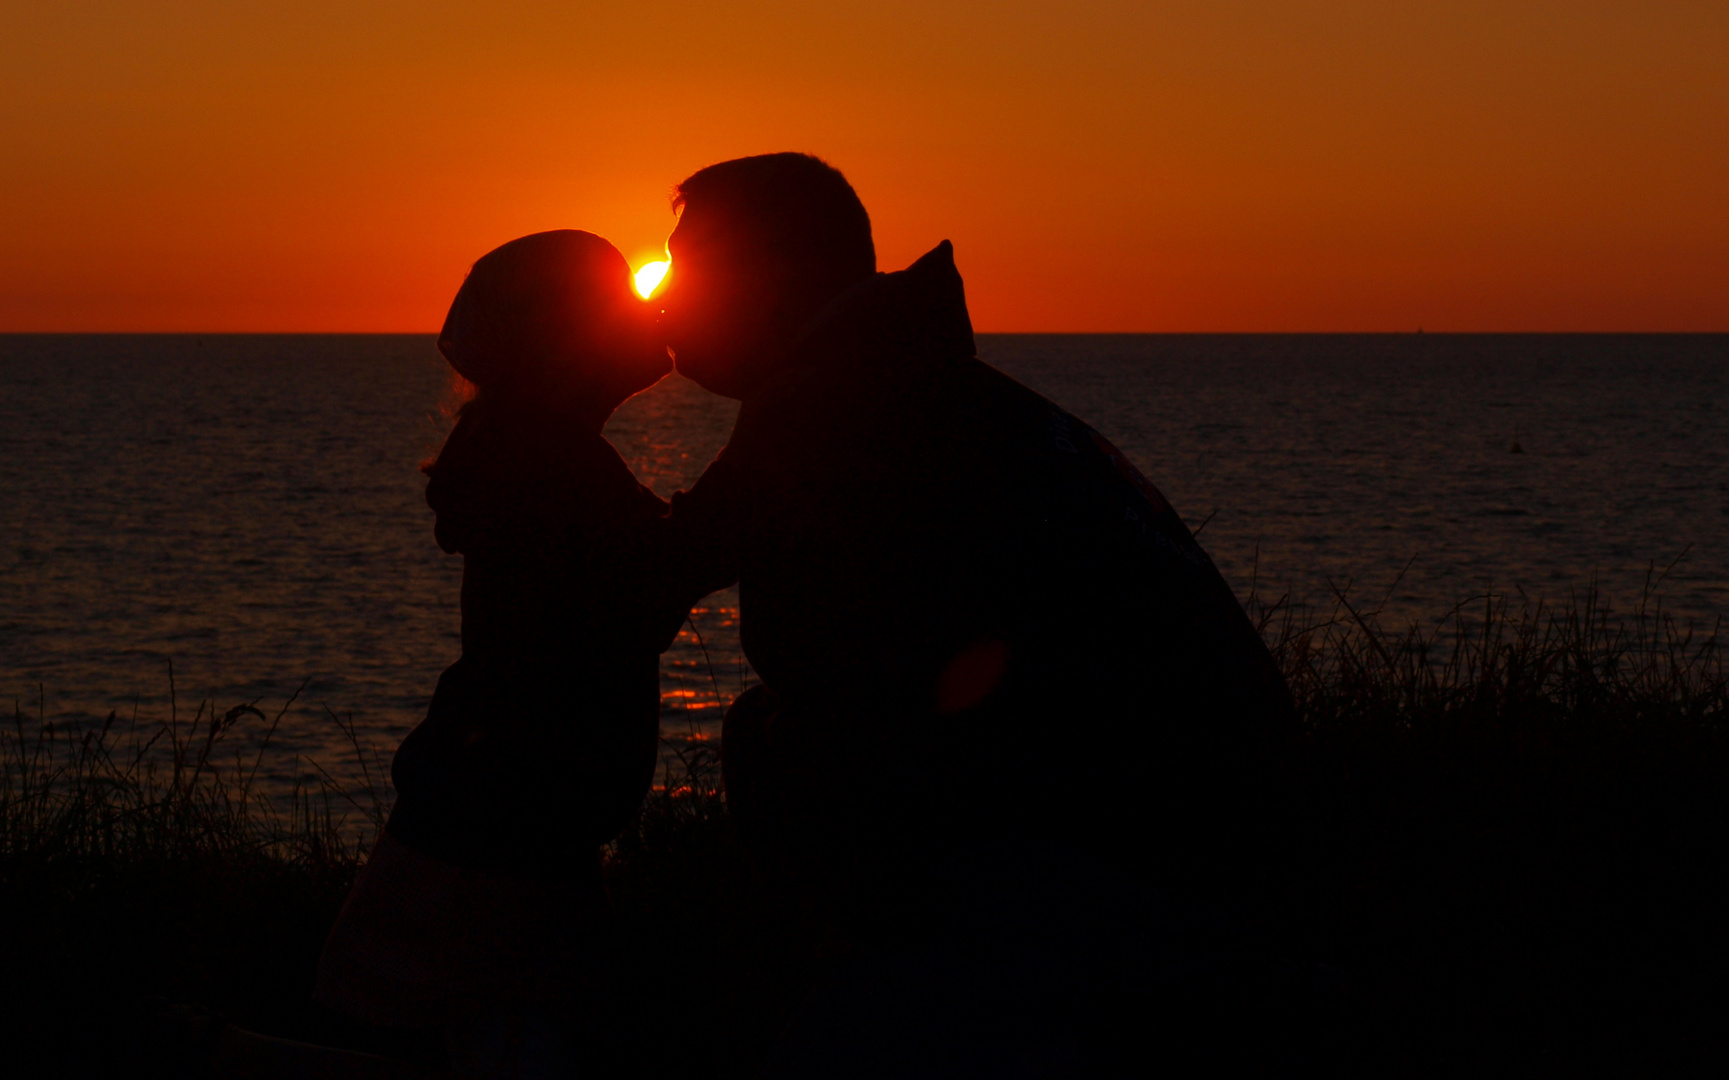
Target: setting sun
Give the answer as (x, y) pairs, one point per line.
(648, 277)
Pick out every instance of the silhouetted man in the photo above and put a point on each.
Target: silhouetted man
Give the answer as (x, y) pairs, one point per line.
(1009, 708)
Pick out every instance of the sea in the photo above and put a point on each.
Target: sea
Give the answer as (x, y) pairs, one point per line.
(240, 519)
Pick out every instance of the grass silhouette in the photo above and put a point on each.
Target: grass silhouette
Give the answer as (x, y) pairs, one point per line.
(1507, 830)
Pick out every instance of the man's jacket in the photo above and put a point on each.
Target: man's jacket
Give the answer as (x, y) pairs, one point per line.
(981, 622)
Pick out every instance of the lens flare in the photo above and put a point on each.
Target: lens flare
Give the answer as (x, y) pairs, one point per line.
(649, 277)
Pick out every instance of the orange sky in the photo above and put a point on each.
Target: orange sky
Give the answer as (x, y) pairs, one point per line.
(1343, 165)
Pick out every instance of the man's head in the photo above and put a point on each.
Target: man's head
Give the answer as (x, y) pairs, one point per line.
(762, 244)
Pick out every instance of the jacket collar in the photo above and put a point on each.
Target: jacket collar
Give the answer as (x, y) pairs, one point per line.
(912, 315)
(919, 311)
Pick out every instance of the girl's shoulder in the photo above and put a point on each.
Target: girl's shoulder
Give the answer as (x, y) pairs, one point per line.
(610, 467)
(597, 490)
(497, 482)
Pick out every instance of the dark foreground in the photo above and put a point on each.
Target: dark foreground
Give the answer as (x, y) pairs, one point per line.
(1508, 839)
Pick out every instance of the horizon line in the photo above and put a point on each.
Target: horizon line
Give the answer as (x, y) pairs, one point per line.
(1418, 332)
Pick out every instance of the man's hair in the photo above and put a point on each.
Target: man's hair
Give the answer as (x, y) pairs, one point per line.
(795, 206)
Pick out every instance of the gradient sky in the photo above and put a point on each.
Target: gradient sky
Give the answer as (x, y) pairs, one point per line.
(1338, 165)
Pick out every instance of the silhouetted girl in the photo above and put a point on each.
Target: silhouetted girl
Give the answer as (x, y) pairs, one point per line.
(481, 910)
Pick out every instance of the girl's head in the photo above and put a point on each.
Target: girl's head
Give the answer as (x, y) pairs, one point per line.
(552, 319)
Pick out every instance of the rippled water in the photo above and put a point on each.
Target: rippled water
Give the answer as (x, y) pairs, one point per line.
(250, 507)
(1341, 459)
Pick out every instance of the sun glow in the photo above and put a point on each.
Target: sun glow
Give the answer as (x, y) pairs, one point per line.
(648, 277)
